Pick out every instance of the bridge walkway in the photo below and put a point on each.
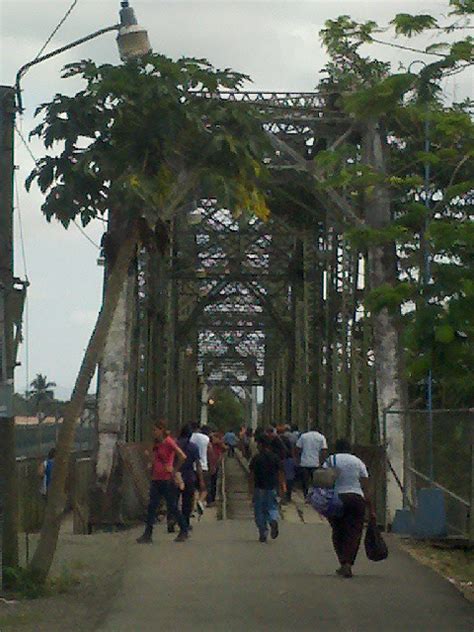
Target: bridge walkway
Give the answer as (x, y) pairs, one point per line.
(224, 580)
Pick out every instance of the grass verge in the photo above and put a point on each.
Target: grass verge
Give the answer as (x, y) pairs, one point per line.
(455, 564)
(22, 583)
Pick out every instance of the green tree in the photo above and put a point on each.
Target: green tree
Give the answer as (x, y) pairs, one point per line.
(430, 188)
(372, 180)
(21, 406)
(226, 411)
(41, 394)
(136, 144)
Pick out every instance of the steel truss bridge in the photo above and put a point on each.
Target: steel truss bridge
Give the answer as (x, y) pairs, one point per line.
(241, 303)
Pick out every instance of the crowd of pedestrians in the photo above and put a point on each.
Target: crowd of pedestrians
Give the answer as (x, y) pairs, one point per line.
(287, 456)
(184, 474)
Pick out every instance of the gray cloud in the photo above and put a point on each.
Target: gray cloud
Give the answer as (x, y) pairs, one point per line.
(276, 43)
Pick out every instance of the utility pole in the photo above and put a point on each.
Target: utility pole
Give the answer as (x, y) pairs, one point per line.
(9, 500)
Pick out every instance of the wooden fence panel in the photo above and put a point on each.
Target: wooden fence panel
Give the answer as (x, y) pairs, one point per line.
(80, 498)
(31, 503)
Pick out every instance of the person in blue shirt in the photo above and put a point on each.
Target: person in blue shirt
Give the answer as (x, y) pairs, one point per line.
(46, 472)
(230, 440)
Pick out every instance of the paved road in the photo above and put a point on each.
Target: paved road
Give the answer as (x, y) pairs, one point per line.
(223, 580)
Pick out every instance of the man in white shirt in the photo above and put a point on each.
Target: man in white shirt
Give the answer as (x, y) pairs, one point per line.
(201, 440)
(312, 448)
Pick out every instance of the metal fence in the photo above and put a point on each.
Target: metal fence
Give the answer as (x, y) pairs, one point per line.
(440, 454)
(37, 439)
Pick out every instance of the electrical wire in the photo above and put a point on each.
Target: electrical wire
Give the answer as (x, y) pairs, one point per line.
(56, 29)
(83, 232)
(410, 48)
(26, 319)
(20, 226)
(33, 158)
(26, 144)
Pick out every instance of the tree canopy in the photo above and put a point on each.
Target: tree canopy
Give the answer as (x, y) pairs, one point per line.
(431, 182)
(227, 411)
(41, 394)
(137, 138)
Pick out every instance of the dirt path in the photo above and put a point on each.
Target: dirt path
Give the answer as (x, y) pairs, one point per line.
(89, 568)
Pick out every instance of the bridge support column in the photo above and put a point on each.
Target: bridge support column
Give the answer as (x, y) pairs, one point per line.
(391, 392)
(114, 381)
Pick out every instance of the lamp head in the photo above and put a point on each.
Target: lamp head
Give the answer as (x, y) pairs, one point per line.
(132, 39)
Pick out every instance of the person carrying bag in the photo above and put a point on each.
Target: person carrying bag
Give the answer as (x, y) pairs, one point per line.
(325, 477)
(349, 498)
(374, 544)
(323, 496)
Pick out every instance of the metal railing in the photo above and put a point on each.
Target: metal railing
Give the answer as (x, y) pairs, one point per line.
(439, 453)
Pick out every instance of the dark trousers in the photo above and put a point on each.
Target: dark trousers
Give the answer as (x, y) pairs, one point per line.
(306, 478)
(230, 450)
(187, 501)
(212, 487)
(166, 490)
(347, 530)
(265, 507)
(289, 488)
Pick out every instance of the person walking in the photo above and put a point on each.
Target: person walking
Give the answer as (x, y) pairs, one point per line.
(46, 471)
(293, 434)
(230, 439)
(265, 469)
(245, 442)
(253, 445)
(167, 459)
(216, 454)
(312, 449)
(191, 473)
(352, 486)
(289, 466)
(200, 438)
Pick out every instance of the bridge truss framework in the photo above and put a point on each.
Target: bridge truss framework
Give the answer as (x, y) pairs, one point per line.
(237, 302)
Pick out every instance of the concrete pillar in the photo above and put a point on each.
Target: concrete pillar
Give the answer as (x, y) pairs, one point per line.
(114, 382)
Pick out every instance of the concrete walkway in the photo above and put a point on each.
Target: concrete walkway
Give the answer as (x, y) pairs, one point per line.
(223, 580)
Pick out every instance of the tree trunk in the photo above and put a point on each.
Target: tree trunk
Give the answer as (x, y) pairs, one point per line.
(391, 391)
(44, 553)
(114, 382)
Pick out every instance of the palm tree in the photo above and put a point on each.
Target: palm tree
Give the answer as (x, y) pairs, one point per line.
(41, 392)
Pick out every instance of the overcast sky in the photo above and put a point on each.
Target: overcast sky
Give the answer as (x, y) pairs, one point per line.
(276, 43)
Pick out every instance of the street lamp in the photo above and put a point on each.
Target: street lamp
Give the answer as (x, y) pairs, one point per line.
(132, 42)
(132, 39)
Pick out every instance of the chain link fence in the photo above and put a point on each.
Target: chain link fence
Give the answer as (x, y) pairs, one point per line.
(440, 453)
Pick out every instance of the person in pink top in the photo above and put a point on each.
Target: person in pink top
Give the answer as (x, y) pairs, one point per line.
(167, 459)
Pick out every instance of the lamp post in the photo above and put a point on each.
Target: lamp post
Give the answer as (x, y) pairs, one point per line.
(133, 42)
(427, 273)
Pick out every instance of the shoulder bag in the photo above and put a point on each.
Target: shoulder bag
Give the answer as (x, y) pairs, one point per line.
(326, 501)
(325, 477)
